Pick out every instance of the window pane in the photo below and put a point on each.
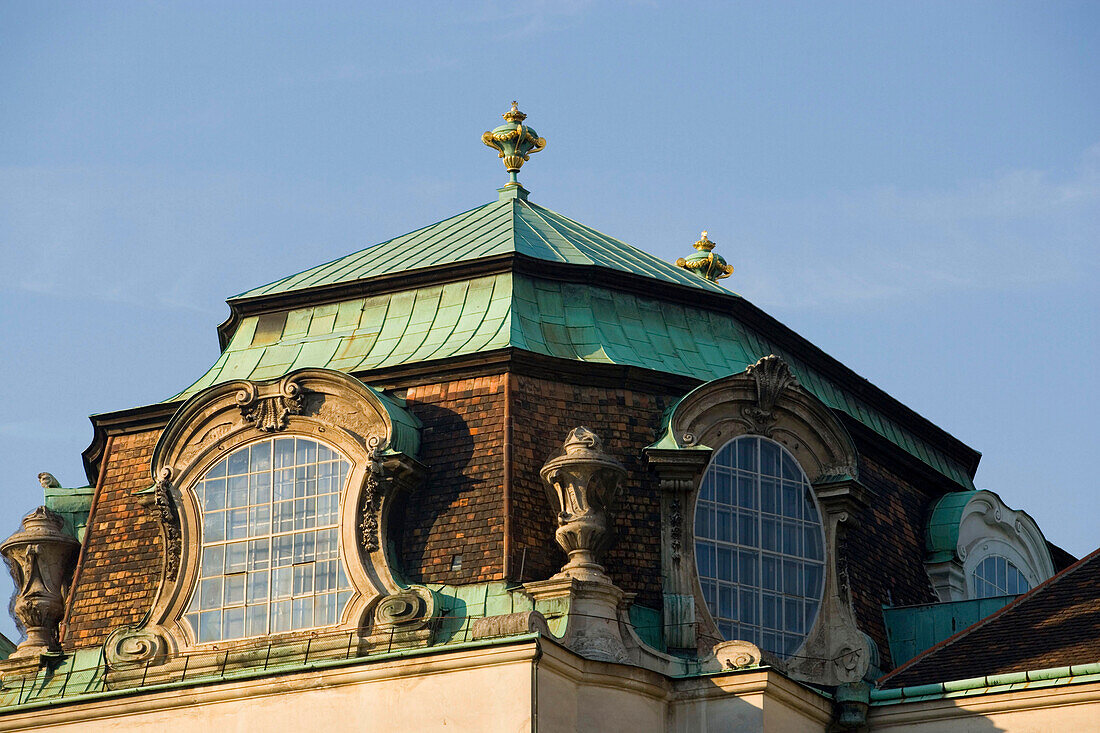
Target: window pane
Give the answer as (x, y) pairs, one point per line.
(277, 502)
(759, 546)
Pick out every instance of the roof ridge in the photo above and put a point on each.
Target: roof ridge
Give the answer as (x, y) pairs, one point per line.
(993, 617)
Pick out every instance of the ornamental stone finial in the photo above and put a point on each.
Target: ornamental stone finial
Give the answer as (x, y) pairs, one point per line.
(583, 482)
(41, 557)
(514, 141)
(705, 263)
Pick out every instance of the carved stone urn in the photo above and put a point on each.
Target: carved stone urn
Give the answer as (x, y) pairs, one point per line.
(41, 558)
(584, 484)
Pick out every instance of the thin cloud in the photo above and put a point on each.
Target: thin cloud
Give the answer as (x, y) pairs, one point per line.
(1020, 229)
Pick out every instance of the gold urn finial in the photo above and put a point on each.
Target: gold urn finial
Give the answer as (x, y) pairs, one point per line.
(704, 244)
(704, 262)
(514, 115)
(514, 141)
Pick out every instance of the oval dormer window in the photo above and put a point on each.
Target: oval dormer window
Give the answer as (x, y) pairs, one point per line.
(759, 545)
(271, 558)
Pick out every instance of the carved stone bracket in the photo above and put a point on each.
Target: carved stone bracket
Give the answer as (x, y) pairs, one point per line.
(737, 654)
(41, 558)
(269, 407)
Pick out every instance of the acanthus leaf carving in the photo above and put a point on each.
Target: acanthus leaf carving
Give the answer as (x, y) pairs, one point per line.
(372, 492)
(271, 412)
(164, 507)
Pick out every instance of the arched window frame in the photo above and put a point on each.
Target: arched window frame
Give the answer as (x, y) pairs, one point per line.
(764, 400)
(756, 588)
(373, 432)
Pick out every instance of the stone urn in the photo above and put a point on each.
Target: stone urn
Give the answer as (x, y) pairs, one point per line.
(583, 483)
(41, 558)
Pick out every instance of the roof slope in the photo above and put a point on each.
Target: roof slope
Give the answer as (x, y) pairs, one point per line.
(566, 320)
(1057, 624)
(510, 224)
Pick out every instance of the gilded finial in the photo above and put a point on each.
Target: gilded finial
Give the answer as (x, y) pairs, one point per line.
(514, 115)
(514, 141)
(705, 263)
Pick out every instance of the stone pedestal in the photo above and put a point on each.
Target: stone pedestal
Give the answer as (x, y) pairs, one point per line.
(594, 609)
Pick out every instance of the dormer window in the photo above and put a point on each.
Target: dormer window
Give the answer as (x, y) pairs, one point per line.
(271, 559)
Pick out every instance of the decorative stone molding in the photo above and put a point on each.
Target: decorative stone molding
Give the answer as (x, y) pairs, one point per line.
(964, 528)
(371, 431)
(164, 508)
(511, 624)
(737, 654)
(767, 400)
(678, 471)
(583, 482)
(129, 647)
(41, 558)
(835, 651)
(403, 619)
(268, 407)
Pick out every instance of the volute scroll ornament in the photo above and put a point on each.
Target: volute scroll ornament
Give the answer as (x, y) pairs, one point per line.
(372, 494)
(128, 647)
(270, 412)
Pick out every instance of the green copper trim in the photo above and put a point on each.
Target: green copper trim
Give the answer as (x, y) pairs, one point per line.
(73, 506)
(1009, 682)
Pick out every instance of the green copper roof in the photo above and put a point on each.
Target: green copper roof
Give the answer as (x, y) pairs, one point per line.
(73, 506)
(942, 532)
(510, 224)
(566, 320)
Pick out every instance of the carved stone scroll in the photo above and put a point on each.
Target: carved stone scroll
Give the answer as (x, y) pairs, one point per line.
(372, 494)
(41, 558)
(164, 507)
(404, 619)
(270, 410)
(128, 647)
(737, 654)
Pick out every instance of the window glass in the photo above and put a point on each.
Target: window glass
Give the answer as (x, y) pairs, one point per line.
(270, 543)
(759, 546)
(997, 576)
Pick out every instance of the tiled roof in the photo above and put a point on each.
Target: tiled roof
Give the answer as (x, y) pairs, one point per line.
(501, 227)
(552, 318)
(1057, 624)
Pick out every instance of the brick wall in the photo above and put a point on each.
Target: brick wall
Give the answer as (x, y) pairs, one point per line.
(121, 564)
(885, 553)
(543, 412)
(459, 509)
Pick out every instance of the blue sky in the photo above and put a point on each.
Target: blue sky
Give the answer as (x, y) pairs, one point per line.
(914, 188)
